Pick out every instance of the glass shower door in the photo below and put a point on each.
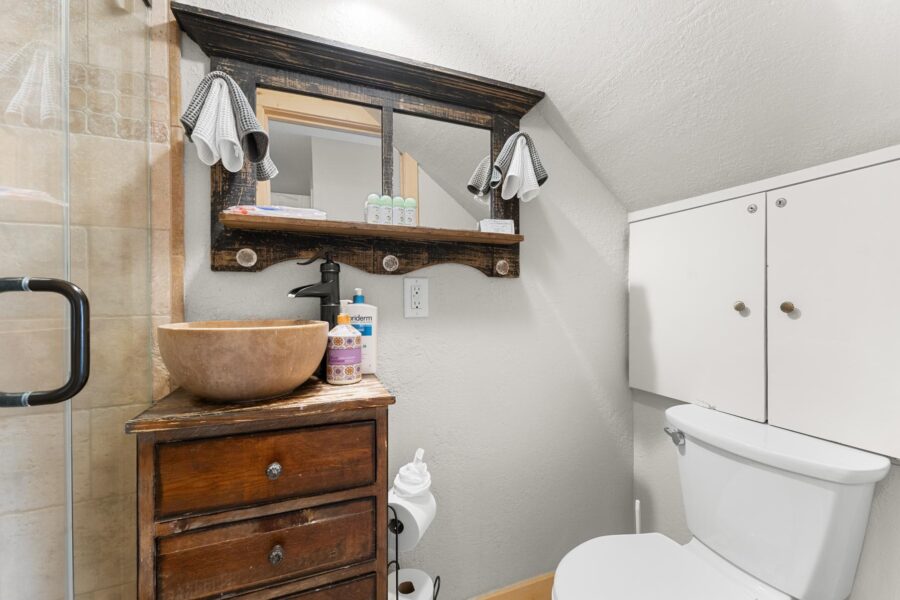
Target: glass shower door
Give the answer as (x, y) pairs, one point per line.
(75, 131)
(35, 240)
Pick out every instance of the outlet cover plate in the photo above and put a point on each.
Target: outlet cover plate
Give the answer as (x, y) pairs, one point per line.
(415, 297)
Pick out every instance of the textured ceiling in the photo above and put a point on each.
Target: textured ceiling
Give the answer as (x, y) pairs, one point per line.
(663, 99)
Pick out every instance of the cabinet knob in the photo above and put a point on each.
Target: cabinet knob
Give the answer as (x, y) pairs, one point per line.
(787, 307)
(740, 306)
(276, 555)
(273, 471)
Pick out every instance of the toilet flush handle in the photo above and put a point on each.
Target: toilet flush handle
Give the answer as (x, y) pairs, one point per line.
(676, 435)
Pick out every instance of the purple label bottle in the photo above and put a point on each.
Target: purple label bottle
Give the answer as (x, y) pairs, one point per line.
(344, 362)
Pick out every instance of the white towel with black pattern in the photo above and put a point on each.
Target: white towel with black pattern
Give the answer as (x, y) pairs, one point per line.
(487, 177)
(504, 159)
(227, 142)
(253, 138)
(204, 132)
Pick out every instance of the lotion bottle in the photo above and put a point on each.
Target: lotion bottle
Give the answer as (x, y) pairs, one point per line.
(344, 353)
(364, 317)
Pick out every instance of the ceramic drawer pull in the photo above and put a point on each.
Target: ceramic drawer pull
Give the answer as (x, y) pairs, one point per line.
(276, 555)
(273, 471)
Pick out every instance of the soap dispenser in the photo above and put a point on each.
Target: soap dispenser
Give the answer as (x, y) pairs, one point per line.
(344, 353)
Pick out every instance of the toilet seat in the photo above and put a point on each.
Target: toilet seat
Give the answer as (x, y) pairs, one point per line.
(650, 566)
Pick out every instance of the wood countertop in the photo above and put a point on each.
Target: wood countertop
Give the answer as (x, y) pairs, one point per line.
(182, 410)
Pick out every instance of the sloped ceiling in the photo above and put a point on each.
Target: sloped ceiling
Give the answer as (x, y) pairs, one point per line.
(662, 99)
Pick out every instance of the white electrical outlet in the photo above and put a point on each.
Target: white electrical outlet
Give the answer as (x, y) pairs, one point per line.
(415, 297)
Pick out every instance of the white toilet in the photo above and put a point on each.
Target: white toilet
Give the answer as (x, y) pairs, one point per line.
(775, 515)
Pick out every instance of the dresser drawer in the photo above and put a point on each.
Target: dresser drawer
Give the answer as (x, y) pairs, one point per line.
(358, 589)
(219, 473)
(263, 551)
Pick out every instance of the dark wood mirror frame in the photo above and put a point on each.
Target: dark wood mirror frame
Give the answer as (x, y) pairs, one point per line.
(258, 55)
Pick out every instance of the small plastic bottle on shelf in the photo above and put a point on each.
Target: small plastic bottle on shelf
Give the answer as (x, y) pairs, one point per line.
(371, 211)
(398, 208)
(385, 210)
(410, 212)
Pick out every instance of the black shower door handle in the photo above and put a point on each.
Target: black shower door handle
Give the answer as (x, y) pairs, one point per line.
(79, 339)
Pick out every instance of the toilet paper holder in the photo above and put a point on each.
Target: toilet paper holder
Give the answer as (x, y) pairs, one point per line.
(395, 527)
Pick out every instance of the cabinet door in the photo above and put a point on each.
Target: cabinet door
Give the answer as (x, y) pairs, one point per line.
(834, 362)
(687, 272)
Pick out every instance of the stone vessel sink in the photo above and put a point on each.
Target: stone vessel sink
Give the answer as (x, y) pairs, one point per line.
(235, 361)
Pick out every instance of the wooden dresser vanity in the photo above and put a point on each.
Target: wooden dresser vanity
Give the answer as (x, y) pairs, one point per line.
(285, 498)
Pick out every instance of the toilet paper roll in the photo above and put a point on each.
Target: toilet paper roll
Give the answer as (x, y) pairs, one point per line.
(414, 585)
(416, 514)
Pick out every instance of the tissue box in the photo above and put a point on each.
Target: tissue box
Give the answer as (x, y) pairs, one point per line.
(497, 226)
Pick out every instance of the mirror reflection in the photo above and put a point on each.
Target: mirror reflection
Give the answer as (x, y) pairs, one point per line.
(328, 154)
(433, 161)
(330, 163)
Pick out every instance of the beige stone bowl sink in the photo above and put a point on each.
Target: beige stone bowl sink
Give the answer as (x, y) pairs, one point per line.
(237, 361)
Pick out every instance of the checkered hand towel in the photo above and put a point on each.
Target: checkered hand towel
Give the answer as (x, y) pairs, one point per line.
(254, 139)
(487, 177)
(480, 181)
(501, 165)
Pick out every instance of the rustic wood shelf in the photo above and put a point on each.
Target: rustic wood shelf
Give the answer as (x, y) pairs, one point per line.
(368, 230)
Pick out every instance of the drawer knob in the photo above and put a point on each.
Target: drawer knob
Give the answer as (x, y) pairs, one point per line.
(740, 306)
(276, 555)
(273, 471)
(787, 307)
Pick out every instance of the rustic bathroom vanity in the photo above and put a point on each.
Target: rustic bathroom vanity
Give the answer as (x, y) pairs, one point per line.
(281, 499)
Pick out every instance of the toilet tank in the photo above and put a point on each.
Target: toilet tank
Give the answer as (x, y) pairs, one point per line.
(789, 509)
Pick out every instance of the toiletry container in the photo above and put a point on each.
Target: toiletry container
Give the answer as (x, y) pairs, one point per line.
(365, 318)
(385, 210)
(344, 354)
(399, 206)
(410, 212)
(372, 208)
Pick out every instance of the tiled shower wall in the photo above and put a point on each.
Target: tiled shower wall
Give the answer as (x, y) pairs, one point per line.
(119, 192)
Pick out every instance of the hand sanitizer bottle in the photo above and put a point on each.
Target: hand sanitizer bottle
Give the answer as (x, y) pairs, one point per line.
(371, 214)
(398, 205)
(365, 318)
(410, 212)
(385, 210)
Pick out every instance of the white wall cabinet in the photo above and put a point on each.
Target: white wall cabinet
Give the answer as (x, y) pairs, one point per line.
(689, 337)
(834, 362)
(818, 268)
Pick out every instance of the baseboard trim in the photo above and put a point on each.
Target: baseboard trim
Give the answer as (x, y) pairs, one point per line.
(536, 588)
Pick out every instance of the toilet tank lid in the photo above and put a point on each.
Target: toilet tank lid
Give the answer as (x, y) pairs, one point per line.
(780, 448)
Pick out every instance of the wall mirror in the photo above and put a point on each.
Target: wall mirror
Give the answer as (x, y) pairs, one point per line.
(433, 162)
(328, 153)
(344, 123)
